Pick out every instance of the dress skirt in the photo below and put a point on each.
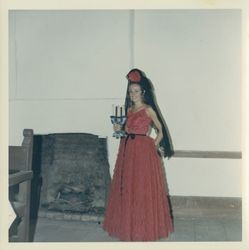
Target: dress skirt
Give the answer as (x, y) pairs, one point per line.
(137, 205)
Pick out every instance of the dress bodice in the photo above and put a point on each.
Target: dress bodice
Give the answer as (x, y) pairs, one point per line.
(138, 122)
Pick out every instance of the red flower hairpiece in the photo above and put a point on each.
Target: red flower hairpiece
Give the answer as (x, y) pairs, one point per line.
(134, 76)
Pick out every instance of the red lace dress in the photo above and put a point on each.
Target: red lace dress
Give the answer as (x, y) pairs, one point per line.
(137, 207)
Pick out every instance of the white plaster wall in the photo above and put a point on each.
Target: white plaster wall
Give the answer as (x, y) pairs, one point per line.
(67, 68)
(70, 54)
(194, 60)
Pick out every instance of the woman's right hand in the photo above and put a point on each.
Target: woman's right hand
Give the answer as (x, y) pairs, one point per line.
(116, 127)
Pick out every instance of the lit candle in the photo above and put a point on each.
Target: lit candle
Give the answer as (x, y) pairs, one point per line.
(116, 111)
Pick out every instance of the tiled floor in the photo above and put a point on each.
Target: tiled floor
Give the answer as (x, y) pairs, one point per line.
(186, 229)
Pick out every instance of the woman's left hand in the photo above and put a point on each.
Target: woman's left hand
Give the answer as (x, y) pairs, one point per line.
(160, 150)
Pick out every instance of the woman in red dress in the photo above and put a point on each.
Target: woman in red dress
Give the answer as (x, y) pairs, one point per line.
(138, 205)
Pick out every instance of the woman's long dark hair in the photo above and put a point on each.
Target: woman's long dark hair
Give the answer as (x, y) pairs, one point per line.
(149, 99)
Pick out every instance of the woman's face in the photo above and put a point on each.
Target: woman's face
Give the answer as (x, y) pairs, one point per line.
(135, 92)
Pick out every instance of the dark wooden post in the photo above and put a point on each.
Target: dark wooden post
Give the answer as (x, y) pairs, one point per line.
(20, 163)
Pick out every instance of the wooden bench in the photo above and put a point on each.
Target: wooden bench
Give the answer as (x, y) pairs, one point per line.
(20, 175)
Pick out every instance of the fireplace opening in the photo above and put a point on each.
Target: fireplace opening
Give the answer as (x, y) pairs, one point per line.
(71, 176)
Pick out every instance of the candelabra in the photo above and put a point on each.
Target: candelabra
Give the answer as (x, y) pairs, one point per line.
(118, 118)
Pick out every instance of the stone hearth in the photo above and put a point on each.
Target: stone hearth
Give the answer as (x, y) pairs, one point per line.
(75, 172)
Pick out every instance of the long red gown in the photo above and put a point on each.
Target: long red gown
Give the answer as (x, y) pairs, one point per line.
(137, 206)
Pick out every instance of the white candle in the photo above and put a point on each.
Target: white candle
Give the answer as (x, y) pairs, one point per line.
(118, 110)
(113, 109)
(124, 110)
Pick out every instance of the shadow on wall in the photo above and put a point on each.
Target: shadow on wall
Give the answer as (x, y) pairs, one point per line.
(36, 184)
